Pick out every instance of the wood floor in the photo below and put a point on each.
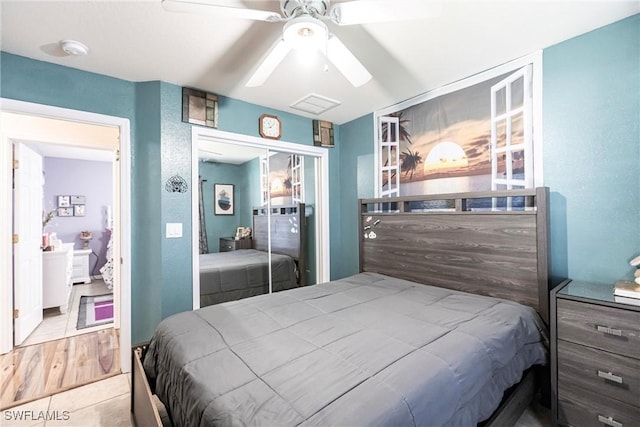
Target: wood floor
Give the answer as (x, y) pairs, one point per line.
(40, 370)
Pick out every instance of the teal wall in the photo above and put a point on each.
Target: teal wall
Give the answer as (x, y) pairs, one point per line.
(160, 149)
(591, 114)
(590, 141)
(176, 207)
(357, 177)
(146, 199)
(224, 225)
(591, 148)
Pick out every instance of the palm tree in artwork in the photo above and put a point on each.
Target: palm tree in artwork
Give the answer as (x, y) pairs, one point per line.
(287, 184)
(404, 134)
(410, 162)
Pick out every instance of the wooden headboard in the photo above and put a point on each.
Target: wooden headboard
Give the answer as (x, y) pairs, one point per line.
(490, 243)
(288, 232)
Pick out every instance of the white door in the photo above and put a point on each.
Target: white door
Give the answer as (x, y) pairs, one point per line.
(27, 253)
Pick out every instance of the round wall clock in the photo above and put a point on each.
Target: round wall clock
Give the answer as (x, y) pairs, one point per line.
(270, 126)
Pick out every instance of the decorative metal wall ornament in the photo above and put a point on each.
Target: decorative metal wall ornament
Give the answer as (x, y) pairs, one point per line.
(176, 184)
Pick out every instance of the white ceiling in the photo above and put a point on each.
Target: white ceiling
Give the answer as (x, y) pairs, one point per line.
(219, 152)
(140, 41)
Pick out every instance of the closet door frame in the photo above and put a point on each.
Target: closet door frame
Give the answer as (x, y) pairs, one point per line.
(321, 158)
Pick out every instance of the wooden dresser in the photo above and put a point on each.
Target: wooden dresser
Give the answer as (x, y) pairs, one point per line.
(228, 244)
(595, 357)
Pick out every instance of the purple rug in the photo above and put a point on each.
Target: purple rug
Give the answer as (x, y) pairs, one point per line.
(95, 310)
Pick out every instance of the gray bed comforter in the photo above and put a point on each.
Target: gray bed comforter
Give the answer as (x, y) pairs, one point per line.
(229, 276)
(365, 350)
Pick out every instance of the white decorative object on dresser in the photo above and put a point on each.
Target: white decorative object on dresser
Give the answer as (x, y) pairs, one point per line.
(57, 267)
(81, 273)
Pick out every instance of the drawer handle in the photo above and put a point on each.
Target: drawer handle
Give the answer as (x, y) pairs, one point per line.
(609, 331)
(609, 421)
(610, 376)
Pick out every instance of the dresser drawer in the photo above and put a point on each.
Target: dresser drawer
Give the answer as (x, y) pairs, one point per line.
(227, 245)
(584, 408)
(606, 328)
(604, 373)
(230, 244)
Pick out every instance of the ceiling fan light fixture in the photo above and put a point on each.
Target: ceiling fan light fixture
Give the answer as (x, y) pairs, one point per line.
(306, 32)
(346, 62)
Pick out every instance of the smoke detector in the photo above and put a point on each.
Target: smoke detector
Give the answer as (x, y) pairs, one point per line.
(74, 48)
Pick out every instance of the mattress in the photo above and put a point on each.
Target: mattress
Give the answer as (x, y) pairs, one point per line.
(364, 350)
(229, 276)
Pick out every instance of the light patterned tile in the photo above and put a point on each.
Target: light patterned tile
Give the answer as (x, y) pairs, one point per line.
(91, 394)
(28, 414)
(50, 329)
(112, 412)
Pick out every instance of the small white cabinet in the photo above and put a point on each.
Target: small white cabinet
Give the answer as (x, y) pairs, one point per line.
(81, 272)
(57, 267)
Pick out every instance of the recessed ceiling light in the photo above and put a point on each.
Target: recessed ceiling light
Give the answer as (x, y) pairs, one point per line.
(72, 47)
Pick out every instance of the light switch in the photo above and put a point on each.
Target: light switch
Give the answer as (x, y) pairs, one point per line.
(174, 230)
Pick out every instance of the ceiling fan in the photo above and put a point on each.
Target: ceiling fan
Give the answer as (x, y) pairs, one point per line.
(305, 30)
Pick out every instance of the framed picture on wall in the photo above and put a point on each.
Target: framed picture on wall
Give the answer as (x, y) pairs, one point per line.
(322, 133)
(199, 107)
(78, 210)
(78, 200)
(223, 201)
(68, 211)
(63, 201)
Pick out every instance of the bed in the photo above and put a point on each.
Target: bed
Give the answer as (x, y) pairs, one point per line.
(448, 313)
(229, 276)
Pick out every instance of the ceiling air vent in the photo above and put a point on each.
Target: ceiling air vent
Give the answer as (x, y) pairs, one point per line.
(315, 104)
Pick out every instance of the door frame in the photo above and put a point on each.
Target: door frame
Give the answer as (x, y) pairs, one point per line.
(321, 156)
(6, 212)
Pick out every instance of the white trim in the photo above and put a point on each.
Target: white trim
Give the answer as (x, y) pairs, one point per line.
(507, 117)
(535, 59)
(321, 156)
(6, 292)
(393, 185)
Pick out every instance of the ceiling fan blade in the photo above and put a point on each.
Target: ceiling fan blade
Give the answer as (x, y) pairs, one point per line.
(205, 7)
(269, 63)
(346, 62)
(371, 11)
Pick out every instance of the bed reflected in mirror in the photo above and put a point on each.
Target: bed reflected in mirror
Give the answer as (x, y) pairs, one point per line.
(265, 240)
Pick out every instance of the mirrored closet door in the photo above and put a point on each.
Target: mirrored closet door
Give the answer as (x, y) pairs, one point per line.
(257, 221)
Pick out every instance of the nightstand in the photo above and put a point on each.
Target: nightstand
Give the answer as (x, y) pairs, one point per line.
(228, 244)
(595, 357)
(81, 266)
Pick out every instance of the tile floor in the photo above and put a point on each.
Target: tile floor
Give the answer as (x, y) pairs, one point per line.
(103, 403)
(107, 403)
(56, 325)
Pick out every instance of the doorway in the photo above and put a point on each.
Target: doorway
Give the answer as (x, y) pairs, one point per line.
(14, 116)
(316, 158)
(74, 216)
